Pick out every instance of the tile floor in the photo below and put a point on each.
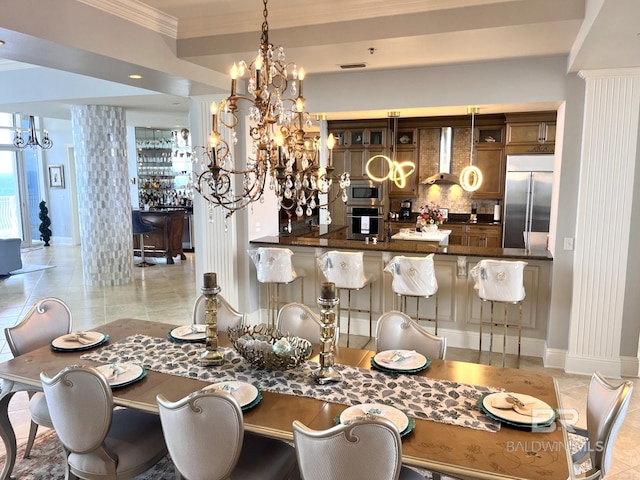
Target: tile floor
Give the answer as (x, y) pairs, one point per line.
(167, 292)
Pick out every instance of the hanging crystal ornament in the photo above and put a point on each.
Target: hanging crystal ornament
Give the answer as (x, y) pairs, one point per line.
(280, 148)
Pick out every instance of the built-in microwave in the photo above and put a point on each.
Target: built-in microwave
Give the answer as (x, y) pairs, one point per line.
(365, 192)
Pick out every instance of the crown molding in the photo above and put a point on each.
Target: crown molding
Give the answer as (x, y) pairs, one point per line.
(139, 13)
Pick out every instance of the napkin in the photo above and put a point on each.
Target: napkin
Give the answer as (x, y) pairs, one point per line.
(79, 337)
(398, 356)
(114, 370)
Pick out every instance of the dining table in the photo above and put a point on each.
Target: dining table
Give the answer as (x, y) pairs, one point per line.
(487, 451)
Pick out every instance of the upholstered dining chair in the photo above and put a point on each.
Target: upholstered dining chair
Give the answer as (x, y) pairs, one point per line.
(397, 330)
(227, 315)
(206, 440)
(49, 318)
(299, 320)
(363, 450)
(100, 442)
(606, 409)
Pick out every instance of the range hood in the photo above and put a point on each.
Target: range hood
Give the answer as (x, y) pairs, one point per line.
(444, 174)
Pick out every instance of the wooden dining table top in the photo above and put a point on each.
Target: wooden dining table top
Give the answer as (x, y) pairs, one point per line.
(456, 450)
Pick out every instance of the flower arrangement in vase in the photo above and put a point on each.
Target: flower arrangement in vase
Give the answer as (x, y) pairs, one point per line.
(430, 216)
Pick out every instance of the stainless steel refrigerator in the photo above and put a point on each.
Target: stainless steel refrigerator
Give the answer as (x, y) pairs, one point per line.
(527, 201)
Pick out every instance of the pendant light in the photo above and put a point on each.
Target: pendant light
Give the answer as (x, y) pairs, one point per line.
(471, 176)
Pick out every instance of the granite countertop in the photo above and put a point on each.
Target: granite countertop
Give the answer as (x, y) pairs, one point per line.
(332, 241)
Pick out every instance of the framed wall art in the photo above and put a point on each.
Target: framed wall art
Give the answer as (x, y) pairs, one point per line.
(56, 176)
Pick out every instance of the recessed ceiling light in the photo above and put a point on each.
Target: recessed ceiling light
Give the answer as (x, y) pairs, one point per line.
(1, 42)
(135, 76)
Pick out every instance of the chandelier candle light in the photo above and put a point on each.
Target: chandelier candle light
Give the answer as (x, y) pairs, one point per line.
(327, 302)
(212, 355)
(32, 140)
(281, 151)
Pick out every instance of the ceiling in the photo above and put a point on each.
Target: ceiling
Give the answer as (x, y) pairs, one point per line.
(201, 39)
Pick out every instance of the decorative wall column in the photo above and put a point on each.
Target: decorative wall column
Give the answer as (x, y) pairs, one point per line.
(219, 241)
(603, 223)
(104, 203)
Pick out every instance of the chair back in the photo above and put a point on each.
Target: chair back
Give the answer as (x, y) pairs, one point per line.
(344, 269)
(299, 320)
(499, 280)
(138, 225)
(227, 315)
(204, 433)
(49, 318)
(369, 449)
(397, 330)
(606, 409)
(81, 408)
(414, 276)
(273, 265)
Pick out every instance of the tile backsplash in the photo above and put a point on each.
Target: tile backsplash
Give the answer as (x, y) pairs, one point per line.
(452, 197)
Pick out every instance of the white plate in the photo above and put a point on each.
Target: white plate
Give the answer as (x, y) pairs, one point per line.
(397, 417)
(123, 373)
(75, 341)
(413, 361)
(243, 392)
(541, 412)
(190, 332)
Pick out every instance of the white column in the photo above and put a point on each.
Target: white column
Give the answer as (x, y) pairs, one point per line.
(104, 200)
(608, 162)
(216, 244)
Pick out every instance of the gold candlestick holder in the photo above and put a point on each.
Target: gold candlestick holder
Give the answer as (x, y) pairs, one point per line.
(327, 302)
(212, 355)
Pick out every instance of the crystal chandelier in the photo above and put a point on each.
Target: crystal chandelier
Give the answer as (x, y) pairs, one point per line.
(281, 156)
(32, 141)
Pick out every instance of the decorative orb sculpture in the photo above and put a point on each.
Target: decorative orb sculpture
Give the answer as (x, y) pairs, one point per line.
(265, 346)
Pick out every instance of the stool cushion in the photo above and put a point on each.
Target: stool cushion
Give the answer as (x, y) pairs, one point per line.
(499, 280)
(273, 265)
(414, 276)
(344, 269)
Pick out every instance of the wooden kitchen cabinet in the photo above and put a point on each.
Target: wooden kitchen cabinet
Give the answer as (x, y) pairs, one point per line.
(457, 233)
(531, 132)
(356, 143)
(488, 236)
(490, 159)
(411, 188)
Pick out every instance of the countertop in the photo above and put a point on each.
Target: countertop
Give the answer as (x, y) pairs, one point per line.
(332, 240)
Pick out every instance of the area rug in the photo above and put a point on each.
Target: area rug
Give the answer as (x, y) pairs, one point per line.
(31, 268)
(46, 462)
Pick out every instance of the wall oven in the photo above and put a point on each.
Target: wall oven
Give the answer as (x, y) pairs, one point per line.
(365, 192)
(363, 222)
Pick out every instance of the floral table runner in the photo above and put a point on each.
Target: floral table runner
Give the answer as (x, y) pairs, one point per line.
(420, 397)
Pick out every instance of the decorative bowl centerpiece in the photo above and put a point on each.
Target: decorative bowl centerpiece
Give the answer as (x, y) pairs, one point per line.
(265, 346)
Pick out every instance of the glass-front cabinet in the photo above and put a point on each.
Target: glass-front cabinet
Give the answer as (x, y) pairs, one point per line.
(164, 167)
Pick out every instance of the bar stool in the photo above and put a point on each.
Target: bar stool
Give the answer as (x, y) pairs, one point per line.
(346, 271)
(274, 268)
(500, 281)
(414, 277)
(140, 228)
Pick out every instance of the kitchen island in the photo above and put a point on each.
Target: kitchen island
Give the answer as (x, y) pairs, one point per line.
(458, 302)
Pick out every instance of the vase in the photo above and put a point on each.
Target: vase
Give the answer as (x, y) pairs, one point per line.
(430, 228)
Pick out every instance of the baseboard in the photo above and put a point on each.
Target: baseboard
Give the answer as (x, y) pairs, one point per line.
(66, 241)
(554, 358)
